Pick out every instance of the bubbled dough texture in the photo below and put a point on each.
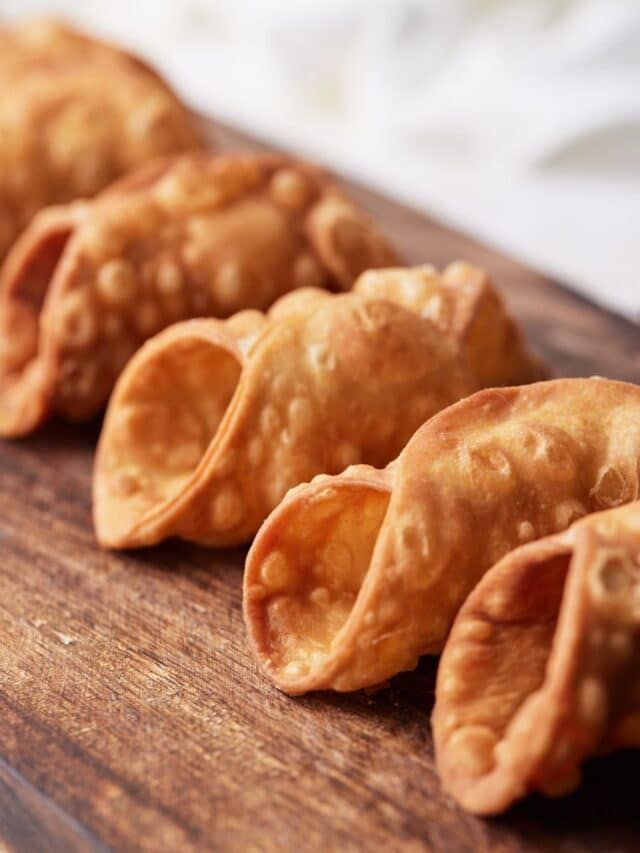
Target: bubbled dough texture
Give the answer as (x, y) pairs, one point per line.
(346, 383)
(541, 667)
(463, 303)
(300, 591)
(497, 469)
(200, 235)
(74, 115)
(345, 380)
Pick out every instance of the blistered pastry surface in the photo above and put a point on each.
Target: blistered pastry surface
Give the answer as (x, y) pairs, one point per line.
(540, 670)
(326, 382)
(498, 469)
(197, 235)
(75, 114)
(464, 304)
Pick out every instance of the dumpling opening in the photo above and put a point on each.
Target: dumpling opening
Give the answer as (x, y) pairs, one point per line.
(164, 416)
(491, 685)
(302, 586)
(26, 277)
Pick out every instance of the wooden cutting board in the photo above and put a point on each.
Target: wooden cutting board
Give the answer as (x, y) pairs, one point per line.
(132, 716)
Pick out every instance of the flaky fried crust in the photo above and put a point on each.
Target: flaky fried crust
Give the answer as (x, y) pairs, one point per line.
(353, 577)
(465, 305)
(542, 666)
(211, 422)
(75, 114)
(196, 235)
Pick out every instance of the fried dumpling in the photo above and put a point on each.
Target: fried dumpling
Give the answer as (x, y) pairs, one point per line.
(353, 577)
(542, 666)
(212, 422)
(75, 114)
(195, 235)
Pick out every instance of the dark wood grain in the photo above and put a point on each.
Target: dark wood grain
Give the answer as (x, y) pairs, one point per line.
(132, 715)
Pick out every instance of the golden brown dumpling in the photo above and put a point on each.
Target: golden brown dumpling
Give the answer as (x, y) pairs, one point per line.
(353, 577)
(75, 114)
(542, 666)
(212, 422)
(195, 235)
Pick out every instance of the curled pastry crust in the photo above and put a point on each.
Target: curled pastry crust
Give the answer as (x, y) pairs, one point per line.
(197, 235)
(75, 114)
(212, 421)
(266, 402)
(353, 577)
(542, 666)
(463, 303)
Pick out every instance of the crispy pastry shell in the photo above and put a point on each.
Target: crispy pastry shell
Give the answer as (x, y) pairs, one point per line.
(196, 235)
(463, 303)
(542, 666)
(212, 422)
(353, 577)
(75, 114)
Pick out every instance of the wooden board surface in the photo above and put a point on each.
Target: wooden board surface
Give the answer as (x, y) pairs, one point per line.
(132, 716)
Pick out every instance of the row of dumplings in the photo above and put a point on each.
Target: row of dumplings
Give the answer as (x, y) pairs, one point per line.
(413, 480)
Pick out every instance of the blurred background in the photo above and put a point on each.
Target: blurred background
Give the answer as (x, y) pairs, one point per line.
(517, 121)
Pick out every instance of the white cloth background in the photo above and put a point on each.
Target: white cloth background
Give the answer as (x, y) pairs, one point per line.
(519, 121)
